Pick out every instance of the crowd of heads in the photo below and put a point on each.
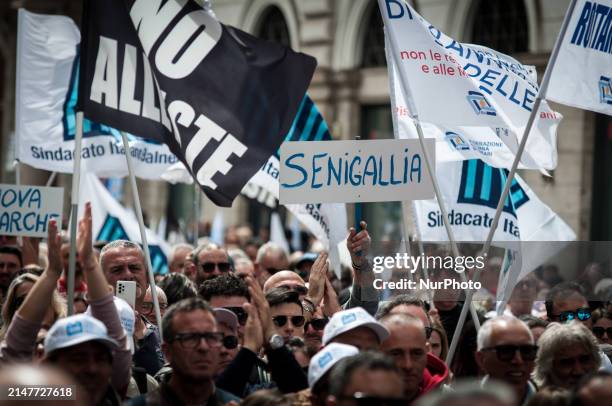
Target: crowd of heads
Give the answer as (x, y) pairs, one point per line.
(248, 323)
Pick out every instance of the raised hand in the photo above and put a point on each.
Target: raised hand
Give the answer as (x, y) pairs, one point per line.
(263, 308)
(330, 299)
(54, 246)
(318, 276)
(253, 332)
(84, 241)
(358, 244)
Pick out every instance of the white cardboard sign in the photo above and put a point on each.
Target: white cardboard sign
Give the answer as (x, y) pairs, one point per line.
(354, 171)
(26, 210)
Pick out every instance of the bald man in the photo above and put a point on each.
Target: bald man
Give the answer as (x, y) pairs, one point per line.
(289, 279)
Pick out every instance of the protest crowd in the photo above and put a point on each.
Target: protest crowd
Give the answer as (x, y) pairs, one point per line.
(278, 328)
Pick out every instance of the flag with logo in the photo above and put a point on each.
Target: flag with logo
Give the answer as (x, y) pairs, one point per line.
(582, 74)
(221, 99)
(46, 94)
(461, 86)
(111, 221)
(495, 146)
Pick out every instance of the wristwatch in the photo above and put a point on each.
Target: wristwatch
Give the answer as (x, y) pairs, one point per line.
(276, 342)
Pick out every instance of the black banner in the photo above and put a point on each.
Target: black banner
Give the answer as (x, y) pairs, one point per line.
(221, 99)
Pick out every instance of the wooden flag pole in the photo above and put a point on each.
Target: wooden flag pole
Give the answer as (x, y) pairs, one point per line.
(143, 234)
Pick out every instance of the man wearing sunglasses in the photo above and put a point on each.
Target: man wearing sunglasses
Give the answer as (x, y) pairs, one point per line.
(287, 313)
(210, 261)
(566, 302)
(507, 352)
(227, 323)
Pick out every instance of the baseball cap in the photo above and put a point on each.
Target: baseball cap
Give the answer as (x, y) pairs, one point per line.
(309, 256)
(77, 329)
(227, 317)
(127, 318)
(322, 361)
(350, 319)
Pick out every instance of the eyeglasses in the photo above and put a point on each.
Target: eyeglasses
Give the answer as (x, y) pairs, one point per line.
(317, 324)
(599, 331)
(505, 353)
(230, 342)
(209, 267)
(240, 313)
(296, 321)
(9, 265)
(148, 306)
(190, 341)
(363, 399)
(582, 314)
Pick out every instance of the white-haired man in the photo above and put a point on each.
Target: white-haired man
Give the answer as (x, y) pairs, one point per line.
(271, 258)
(506, 352)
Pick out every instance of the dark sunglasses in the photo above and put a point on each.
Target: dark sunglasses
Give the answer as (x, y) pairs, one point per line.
(296, 321)
(505, 353)
(363, 399)
(230, 342)
(209, 267)
(599, 331)
(582, 314)
(317, 324)
(240, 313)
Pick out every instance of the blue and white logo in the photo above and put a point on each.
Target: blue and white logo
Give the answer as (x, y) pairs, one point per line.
(480, 104)
(74, 329)
(325, 359)
(482, 185)
(605, 90)
(456, 141)
(349, 318)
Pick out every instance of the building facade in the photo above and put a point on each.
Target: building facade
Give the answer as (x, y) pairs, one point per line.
(351, 89)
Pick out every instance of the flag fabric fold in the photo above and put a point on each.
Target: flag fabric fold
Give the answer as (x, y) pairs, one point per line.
(221, 99)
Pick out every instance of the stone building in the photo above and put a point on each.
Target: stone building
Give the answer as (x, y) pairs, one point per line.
(351, 89)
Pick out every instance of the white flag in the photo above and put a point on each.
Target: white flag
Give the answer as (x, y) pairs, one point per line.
(582, 74)
(460, 85)
(111, 221)
(46, 95)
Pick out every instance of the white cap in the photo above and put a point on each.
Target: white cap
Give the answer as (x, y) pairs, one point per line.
(350, 319)
(127, 317)
(322, 361)
(77, 329)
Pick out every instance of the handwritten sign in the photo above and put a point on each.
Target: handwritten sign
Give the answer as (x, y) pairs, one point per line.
(354, 171)
(26, 210)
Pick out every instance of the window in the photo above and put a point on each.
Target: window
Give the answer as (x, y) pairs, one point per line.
(374, 41)
(274, 27)
(501, 25)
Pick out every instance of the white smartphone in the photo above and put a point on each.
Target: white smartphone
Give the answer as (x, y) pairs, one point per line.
(126, 290)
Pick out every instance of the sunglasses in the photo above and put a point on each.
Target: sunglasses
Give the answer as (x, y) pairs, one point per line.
(363, 399)
(193, 340)
(317, 324)
(296, 321)
(582, 314)
(599, 331)
(240, 313)
(505, 353)
(230, 342)
(209, 267)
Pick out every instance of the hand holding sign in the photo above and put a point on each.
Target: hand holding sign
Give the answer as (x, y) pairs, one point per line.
(358, 244)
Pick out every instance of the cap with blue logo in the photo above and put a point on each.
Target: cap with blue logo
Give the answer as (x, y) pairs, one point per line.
(77, 329)
(127, 318)
(322, 361)
(350, 319)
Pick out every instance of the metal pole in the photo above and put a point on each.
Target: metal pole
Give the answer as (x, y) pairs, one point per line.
(74, 209)
(143, 235)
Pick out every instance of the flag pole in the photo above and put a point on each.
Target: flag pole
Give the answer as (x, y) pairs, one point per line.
(196, 214)
(74, 210)
(428, 165)
(143, 235)
(541, 95)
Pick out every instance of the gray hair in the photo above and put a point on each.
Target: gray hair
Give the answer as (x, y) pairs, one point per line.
(486, 330)
(272, 248)
(184, 306)
(177, 247)
(122, 244)
(209, 246)
(342, 373)
(471, 390)
(556, 338)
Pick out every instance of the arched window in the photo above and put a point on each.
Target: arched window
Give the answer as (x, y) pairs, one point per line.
(274, 27)
(374, 41)
(501, 25)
